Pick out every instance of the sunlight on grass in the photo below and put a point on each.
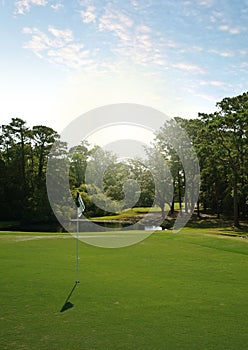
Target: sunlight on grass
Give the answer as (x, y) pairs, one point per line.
(171, 291)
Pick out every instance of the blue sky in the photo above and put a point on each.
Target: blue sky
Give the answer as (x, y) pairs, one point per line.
(61, 58)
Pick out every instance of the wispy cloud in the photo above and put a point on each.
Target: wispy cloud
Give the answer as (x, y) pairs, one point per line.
(222, 53)
(72, 56)
(117, 23)
(216, 83)
(123, 38)
(207, 97)
(216, 16)
(205, 3)
(187, 67)
(135, 43)
(57, 6)
(23, 6)
(62, 36)
(58, 46)
(229, 24)
(39, 41)
(89, 14)
(229, 29)
(134, 3)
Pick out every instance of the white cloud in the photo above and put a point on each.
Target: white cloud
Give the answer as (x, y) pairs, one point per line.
(234, 30)
(71, 56)
(57, 6)
(39, 42)
(27, 30)
(88, 15)
(216, 16)
(244, 67)
(186, 67)
(215, 83)
(133, 44)
(205, 3)
(227, 28)
(58, 46)
(136, 44)
(23, 6)
(207, 97)
(144, 29)
(117, 23)
(63, 35)
(222, 53)
(243, 52)
(134, 3)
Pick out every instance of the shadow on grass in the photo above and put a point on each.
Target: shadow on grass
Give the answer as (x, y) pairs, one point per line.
(67, 304)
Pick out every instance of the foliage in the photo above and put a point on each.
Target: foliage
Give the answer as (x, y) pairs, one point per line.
(108, 185)
(226, 141)
(23, 158)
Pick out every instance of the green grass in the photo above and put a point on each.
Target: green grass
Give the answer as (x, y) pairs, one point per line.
(134, 212)
(128, 213)
(171, 291)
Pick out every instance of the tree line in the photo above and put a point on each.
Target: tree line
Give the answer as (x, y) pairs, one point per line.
(219, 140)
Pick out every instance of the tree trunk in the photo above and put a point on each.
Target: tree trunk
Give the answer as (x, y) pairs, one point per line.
(235, 201)
(172, 210)
(179, 193)
(185, 195)
(162, 212)
(198, 209)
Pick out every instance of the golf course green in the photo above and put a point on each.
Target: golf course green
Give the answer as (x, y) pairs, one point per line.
(171, 291)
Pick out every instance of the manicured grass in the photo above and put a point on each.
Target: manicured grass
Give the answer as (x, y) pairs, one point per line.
(134, 212)
(130, 212)
(171, 291)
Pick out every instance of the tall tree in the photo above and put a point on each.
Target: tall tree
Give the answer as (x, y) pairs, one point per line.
(20, 133)
(15, 151)
(79, 157)
(43, 139)
(177, 148)
(37, 208)
(227, 130)
(158, 166)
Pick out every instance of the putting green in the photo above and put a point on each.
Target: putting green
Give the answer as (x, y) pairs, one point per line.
(170, 291)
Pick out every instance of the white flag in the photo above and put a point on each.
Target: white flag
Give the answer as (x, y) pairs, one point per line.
(80, 205)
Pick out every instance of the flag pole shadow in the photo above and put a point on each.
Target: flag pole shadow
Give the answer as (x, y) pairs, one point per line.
(67, 304)
(80, 208)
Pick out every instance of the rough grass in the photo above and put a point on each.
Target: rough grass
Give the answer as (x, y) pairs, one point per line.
(171, 291)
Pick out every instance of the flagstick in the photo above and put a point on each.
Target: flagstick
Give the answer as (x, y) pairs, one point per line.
(77, 281)
(67, 304)
(80, 209)
(80, 205)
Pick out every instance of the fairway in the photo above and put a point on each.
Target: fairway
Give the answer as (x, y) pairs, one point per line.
(171, 291)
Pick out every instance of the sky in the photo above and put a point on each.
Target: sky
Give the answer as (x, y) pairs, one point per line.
(62, 58)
